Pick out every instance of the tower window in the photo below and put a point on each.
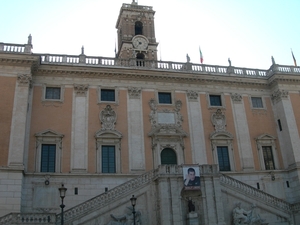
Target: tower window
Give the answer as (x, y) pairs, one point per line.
(138, 28)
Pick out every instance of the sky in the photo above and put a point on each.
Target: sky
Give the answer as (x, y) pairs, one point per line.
(248, 32)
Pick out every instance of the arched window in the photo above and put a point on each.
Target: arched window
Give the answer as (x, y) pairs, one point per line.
(168, 156)
(138, 28)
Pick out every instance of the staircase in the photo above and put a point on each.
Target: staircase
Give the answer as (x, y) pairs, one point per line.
(235, 187)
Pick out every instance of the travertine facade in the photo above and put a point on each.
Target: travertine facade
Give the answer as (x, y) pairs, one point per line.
(110, 128)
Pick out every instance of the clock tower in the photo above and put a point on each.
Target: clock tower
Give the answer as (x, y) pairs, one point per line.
(136, 35)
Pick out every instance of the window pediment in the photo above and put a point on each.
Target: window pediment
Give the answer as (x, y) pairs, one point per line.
(49, 133)
(108, 134)
(221, 135)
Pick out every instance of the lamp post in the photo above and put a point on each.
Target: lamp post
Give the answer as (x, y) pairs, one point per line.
(133, 202)
(62, 192)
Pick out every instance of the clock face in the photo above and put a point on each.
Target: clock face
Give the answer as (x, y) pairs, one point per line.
(140, 43)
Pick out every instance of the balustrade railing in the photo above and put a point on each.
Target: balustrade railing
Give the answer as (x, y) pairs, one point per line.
(149, 64)
(255, 193)
(29, 218)
(15, 48)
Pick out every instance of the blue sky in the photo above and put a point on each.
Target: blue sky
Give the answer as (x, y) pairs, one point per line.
(248, 32)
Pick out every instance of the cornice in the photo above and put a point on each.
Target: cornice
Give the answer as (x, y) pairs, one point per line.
(20, 59)
(147, 75)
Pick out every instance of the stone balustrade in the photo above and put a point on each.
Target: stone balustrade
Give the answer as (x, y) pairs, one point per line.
(248, 190)
(15, 48)
(84, 60)
(30, 218)
(159, 65)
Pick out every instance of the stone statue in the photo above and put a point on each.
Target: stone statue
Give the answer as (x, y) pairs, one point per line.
(191, 205)
(254, 217)
(229, 61)
(273, 60)
(240, 216)
(127, 218)
(29, 40)
(251, 217)
(188, 59)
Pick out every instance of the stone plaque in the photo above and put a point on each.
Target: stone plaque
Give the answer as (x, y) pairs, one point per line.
(166, 118)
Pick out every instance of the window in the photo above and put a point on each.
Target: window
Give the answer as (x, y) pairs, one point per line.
(268, 157)
(164, 98)
(53, 93)
(267, 152)
(223, 158)
(279, 125)
(257, 102)
(48, 158)
(108, 95)
(215, 100)
(48, 151)
(168, 156)
(108, 159)
(138, 28)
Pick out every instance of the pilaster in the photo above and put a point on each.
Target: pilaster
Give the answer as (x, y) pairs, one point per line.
(18, 125)
(196, 128)
(80, 128)
(135, 129)
(242, 132)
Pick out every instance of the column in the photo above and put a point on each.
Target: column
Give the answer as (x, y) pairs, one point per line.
(79, 129)
(242, 132)
(135, 130)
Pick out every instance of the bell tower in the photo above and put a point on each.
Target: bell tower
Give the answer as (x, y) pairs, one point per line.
(136, 35)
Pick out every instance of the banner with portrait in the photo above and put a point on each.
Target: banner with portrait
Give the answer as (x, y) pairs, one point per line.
(191, 177)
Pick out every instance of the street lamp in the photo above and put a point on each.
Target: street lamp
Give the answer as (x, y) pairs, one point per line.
(133, 202)
(62, 192)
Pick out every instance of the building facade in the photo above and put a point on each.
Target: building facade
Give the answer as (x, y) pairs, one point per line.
(110, 128)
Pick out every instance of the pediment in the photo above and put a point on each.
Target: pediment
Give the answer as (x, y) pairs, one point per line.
(49, 133)
(167, 130)
(108, 134)
(221, 135)
(265, 137)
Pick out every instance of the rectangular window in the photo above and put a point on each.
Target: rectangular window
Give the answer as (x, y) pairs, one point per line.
(268, 157)
(215, 100)
(107, 95)
(279, 125)
(223, 158)
(52, 93)
(48, 158)
(164, 98)
(257, 102)
(108, 159)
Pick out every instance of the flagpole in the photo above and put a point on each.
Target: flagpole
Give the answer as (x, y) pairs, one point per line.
(295, 62)
(201, 55)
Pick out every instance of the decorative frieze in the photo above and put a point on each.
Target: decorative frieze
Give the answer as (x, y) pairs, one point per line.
(81, 89)
(24, 79)
(236, 98)
(279, 95)
(134, 92)
(108, 118)
(218, 120)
